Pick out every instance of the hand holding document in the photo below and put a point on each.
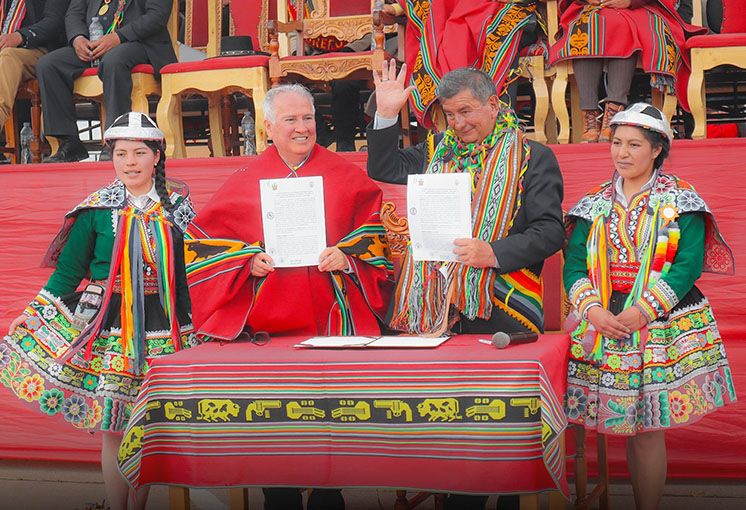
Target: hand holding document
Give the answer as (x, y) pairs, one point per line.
(293, 220)
(439, 212)
(385, 342)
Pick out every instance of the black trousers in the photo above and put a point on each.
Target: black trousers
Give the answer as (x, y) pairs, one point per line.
(56, 72)
(289, 498)
(347, 114)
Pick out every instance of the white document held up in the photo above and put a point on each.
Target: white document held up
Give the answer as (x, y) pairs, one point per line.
(439, 212)
(293, 220)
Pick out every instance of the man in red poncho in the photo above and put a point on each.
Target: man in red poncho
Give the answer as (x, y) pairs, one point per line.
(235, 284)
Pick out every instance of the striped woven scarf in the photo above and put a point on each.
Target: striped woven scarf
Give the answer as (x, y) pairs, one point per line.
(12, 16)
(426, 290)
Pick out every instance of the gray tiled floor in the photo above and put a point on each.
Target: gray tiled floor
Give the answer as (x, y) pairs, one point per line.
(62, 486)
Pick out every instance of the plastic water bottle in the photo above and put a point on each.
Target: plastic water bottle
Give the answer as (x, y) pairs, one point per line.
(249, 137)
(26, 136)
(95, 32)
(377, 6)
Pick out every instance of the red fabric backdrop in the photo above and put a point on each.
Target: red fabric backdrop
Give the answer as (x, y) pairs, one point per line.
(34, 198)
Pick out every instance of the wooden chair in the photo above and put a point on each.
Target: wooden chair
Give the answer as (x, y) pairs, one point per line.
(584, 500)
(713, 50)
(89, 86)
(28, 90)
(345, 20)
(534, 69)
(215, 77)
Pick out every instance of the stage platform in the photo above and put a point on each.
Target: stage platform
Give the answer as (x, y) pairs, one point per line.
(34, 198)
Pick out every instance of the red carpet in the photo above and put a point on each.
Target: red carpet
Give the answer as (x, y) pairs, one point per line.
(33, 200)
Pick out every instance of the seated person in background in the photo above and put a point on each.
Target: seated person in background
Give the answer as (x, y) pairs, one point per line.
(346, 109)
(615, 33)
(24, 39)
(134, 33)
(443, 35)
(516, 216)
(344, 295)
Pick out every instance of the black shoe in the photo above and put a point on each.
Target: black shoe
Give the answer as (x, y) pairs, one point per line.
(70, 151)
(105, 154)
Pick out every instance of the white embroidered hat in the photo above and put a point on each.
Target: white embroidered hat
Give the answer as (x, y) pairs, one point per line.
(645, 116)
(133, 126)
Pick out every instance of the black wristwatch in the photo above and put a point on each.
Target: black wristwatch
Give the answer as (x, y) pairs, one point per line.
(24, 41)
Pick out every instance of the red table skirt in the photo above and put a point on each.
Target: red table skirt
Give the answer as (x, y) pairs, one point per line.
(464, 417)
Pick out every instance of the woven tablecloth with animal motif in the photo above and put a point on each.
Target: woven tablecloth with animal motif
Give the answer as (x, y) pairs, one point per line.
(464, 417)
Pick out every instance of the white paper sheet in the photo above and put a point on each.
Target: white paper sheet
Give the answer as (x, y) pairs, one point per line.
(439, 212)
(293, 220)
(409, 342)
(336, 342)
(367, 342)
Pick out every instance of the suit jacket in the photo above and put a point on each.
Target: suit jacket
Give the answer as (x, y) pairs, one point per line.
(144, 21)
(44, 24)
(537, 231)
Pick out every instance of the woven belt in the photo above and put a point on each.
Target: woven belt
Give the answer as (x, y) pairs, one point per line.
(150, 285)
(623, 275)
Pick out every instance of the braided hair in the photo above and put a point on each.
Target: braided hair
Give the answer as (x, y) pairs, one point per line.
(160, 174)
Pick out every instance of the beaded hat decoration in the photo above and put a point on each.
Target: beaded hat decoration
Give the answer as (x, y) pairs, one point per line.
(133, 126)
(645, 116)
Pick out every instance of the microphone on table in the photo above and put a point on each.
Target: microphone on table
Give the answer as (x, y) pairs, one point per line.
(501, 339)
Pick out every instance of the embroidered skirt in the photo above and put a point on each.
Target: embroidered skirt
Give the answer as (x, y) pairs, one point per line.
(681, 375)
(94, 393)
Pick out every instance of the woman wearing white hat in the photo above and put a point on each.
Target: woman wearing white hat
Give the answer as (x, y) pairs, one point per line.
(646, 355)
(81, 356)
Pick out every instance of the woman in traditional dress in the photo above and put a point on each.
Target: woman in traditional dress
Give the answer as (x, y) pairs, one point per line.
(614, 34)
(646, 355)
(82, 355)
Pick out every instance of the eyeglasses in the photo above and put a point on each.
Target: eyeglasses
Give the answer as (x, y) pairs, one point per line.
(258, 338)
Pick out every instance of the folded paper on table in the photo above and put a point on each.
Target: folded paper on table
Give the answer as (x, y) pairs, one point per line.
(380, 342)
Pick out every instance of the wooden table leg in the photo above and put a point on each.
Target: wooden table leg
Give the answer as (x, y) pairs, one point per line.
(178, 498)
(603, 472)
(557, 501)
(239, 498)
(581, 468)
(529, 502)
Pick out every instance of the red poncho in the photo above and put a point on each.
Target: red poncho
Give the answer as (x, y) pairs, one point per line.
(293, 301)
(443, 35)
